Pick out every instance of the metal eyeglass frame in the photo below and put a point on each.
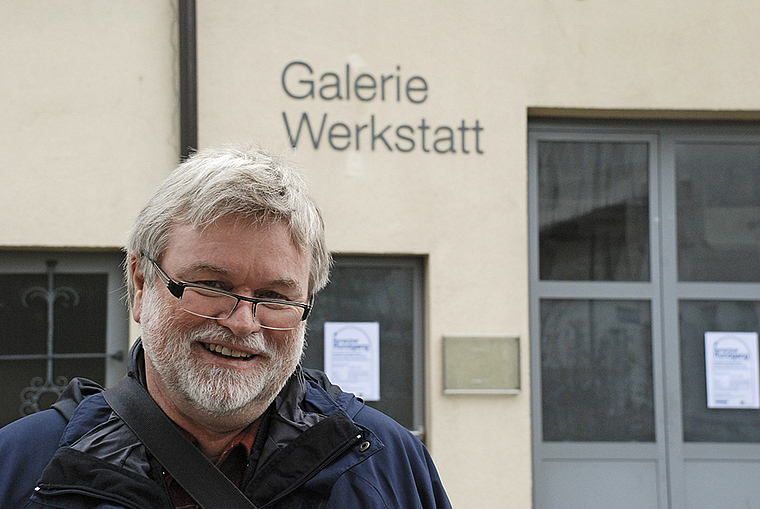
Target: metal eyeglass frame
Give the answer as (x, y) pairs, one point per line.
(177, 288)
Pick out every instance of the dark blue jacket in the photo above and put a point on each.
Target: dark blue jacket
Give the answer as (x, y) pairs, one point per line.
(324, 449)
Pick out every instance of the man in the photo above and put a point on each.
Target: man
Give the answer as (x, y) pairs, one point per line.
(222, 267)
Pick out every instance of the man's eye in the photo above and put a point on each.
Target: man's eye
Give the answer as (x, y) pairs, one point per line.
(218, 285)
(271, 294)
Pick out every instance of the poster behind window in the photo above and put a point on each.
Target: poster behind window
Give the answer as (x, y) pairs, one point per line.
(352, 357)
(731, 364)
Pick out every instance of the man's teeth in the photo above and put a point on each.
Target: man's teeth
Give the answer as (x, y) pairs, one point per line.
(223, 350)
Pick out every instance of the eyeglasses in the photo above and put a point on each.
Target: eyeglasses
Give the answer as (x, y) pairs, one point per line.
(215, 304)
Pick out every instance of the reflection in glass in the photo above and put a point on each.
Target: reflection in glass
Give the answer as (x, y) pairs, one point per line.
(593, 211)
(596, 371)
(718, 218)
(702, 424)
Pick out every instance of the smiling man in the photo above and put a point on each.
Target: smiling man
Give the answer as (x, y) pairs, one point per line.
(222, 267)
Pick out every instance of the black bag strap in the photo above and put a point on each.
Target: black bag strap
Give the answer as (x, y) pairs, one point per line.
(186, 463)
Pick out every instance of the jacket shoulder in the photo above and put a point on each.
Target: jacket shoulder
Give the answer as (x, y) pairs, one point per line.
(26, 446)
(402, 464)
(398, 471)
(74, 393)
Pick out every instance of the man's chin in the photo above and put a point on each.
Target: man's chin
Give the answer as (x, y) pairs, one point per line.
(222, 393)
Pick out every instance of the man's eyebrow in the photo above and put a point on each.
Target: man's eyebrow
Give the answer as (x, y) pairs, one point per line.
(199, 267)
(286, 282)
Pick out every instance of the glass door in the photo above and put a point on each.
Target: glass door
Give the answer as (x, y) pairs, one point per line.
(643, 239)
(711, 234)
(595, 296)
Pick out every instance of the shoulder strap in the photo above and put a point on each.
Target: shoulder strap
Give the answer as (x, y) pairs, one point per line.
(186, 463)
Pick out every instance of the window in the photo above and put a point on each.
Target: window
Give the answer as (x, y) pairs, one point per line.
(386, 290)
(61, 317)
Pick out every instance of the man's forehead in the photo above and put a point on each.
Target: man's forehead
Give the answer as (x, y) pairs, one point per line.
(234, 244)
(231, 224)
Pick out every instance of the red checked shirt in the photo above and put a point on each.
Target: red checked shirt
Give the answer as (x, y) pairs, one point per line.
(232, 463)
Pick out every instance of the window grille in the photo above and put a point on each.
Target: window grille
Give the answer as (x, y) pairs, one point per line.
(71, 335)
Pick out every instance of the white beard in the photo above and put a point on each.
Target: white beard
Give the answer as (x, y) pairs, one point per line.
(215, 390)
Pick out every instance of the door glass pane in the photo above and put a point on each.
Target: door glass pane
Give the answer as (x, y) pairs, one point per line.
(718, 212)
(593, 201)
(79, 313)
(596, 371)
(702, 424)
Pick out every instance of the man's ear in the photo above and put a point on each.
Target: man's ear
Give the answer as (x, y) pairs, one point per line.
(138, 281)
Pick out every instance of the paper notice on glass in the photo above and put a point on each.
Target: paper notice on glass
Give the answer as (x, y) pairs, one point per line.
(731, 363)
(352, 357)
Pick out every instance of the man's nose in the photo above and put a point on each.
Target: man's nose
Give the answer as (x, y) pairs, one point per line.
(242, 322)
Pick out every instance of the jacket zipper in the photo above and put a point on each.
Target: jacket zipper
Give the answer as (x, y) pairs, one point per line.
(329, 459)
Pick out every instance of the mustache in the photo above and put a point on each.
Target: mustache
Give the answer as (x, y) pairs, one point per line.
(213, 333)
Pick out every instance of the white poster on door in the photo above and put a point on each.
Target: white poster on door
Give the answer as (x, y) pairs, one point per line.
(352, 357)
(731, 363)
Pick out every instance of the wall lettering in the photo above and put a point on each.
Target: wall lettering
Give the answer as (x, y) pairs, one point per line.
(302, 83)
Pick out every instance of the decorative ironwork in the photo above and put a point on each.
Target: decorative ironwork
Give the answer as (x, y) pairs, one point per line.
(38, 387)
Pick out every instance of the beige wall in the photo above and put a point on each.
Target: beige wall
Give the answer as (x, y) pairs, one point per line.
(89, 126)
(647, 54)
(87, 117)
